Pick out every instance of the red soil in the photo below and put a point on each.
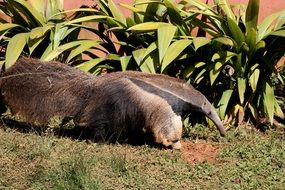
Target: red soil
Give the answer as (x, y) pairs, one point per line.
(199, 152)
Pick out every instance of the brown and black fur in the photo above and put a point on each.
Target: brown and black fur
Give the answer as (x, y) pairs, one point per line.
(40, 91)
(121, 103)
(182, 97)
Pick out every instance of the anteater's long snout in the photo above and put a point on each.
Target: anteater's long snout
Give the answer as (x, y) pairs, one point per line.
(211, 113)
(216, 119)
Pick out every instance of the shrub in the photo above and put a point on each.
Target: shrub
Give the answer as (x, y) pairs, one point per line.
(249, 52)
(33, 29)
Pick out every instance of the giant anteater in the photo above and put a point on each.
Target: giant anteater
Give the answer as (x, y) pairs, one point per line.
(123, 103)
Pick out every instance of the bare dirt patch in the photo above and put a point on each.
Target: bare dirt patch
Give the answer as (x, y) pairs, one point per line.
(197, 152)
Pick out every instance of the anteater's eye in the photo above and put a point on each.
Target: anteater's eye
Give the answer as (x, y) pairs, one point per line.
(175, 141)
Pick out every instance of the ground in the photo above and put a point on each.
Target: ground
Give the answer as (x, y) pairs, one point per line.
(198, 152)
(245, 159)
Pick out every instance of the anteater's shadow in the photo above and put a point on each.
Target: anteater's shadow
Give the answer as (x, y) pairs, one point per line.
(76, 133)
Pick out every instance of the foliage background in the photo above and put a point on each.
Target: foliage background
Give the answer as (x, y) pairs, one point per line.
(220, 49)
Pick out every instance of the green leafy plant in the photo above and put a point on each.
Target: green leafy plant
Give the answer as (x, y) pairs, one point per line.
(29, 26)
(38, 29)
(147, 40)
(240, 60)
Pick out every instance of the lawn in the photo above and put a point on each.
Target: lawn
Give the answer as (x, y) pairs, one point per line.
(245, 159)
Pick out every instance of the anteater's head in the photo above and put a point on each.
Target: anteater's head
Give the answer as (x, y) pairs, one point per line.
(170, 133)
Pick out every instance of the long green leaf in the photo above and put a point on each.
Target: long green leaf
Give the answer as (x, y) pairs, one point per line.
(280, 33)
(223, 56)
(8, 26)
(223, 103)
(54, 8)
(87, 19)
(125, 60)
(264, 28)
(236, 32)
(251, 38)
(40, 31)
(241, 89)
(202, 6)
(175, 15)
(200, 41)
(188, 71)
(173, 51)
(31, 13)
(85, 45)
(39, 6)
(116, 13)
(33, 44)
(268, 101)
(57, 51)
(142, 5)
(252, 12)
(253, 79)
(219, 60)
(146, 64)
(277, 110)
(15, 48)
(152, 47)
(200, 76)
(225, 41)
(254, 111)
(214, 73)
(146, 26)
(88, 65)
(133, 9)
(224, 5)
(280, 21)
(165, 34)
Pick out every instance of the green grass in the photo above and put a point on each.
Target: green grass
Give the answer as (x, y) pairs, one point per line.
(248, 160)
